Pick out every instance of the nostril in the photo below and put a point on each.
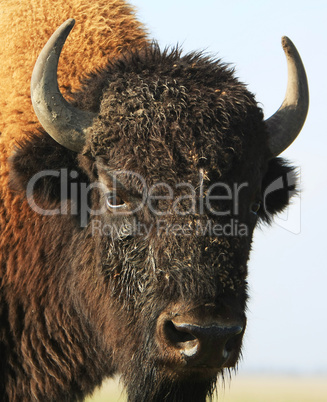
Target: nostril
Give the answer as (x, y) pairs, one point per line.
(204, 341)
(177, 335)
(232, 342)
(210, 345)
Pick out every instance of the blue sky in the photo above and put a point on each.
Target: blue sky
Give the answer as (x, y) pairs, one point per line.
(287, 318)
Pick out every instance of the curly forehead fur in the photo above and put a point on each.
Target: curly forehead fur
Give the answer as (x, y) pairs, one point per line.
(182, 112)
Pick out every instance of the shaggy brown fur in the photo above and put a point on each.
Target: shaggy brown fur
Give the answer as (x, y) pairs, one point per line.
(77, 306)
(104, 29)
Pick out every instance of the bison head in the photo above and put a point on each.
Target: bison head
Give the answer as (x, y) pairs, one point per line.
(184, 167)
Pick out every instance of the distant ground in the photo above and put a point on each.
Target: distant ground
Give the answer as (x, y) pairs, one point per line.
(247, 388)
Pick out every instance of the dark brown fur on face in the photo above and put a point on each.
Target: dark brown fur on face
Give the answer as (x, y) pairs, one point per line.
(95, 311)
(78, 305)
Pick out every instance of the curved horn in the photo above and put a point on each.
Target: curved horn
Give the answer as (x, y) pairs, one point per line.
(285, 125)
(63, 122)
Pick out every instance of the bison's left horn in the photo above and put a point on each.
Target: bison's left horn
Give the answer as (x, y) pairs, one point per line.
(66, 124)
(285, 125)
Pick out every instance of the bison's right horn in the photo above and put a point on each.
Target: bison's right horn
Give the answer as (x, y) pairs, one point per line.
(66, 124)
(285, 124)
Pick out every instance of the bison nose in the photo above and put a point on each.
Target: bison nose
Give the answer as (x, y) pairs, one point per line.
(211, 345)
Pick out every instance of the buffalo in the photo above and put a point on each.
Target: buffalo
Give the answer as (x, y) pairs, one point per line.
(127, 213)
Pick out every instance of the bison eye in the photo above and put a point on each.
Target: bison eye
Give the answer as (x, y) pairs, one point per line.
(114, 201)
(255, 207)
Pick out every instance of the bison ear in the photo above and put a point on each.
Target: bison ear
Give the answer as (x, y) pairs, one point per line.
(37, 154)
(279, 185)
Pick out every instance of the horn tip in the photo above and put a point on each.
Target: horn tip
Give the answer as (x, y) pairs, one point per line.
(69, 23)
(287, 44)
